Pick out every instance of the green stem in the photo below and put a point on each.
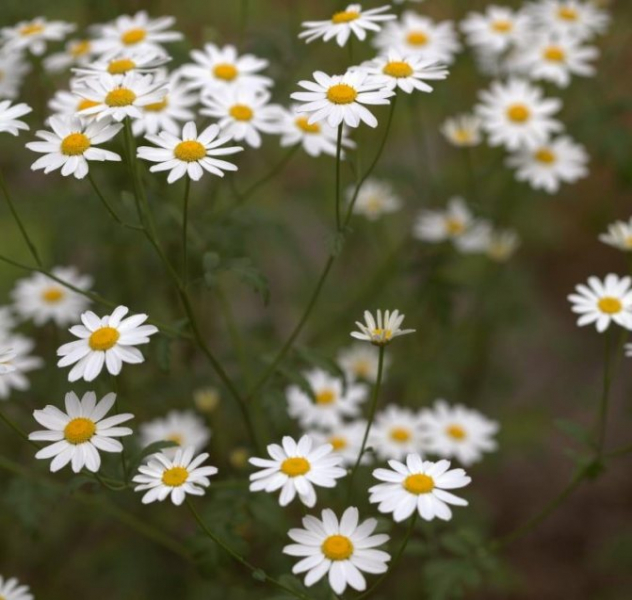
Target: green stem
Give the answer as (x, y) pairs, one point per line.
(9, 423)
(619, 452)
(185, 222)
(338, 154)
(108, 206)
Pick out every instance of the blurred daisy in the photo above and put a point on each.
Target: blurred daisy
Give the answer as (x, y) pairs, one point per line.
(463, 130)
(619, 235)
(502, 244)
(189, 154)
(7, 320)
(375, 199)
(10, 589)
(396, 433)
(496, 29)
(68, 104)
(380, 331)
(33, 35)
(345, 439)
(182, 427)
(7, 355)
(360, 361)
(108, 341)
(9, 117)
(418, 485)
(177, 477)
(341, 98)
(295, 468)
(21, 363)
(120, 63)
(13, 70)
(351, 20)
(71, 144)
(340, 549)
(603, 302)
(577, 18)
(76, 52)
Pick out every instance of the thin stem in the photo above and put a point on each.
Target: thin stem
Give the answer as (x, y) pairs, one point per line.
(185, 222)
(17, 429)
(605, 396)
(235, 334)
(619, 452)
(338, 155)
(108, 206)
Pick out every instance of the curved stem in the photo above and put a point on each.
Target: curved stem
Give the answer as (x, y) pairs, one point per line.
(108, 206)
(338, 154)
(185, 222)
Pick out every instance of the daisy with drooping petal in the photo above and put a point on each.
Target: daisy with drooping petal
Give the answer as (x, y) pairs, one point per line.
(78, 434)
(177, 477)
(108, 341)
(502, 244)
(10, 589)
(119, 63)
(76, 52)
(7, 355)
(496, 29)
(396, 433)
(182, 427)
(380, 331)
(345, 439)
(21, 363)
(191, 154)
(13, 69)
(342, 549)
(463, 130)
(295, 468)
(604, 302)
(71, 144)
(578, 18)
(33, 35)
(418, 485)
(375, 199)
(360, 361)
(619, 235)
(9, 117)
(341, 98)
(451, 224)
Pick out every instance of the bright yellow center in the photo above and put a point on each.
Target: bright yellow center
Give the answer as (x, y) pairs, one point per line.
(454, 226)
(120, 66)
(189, 151)
(79, 431)
(83, 104)
(157, 106)
(341, 93)
(293, 467)
(120, 97)
(463, 136)
(31, 29)
(176, 438)
(385, 334)
(339, 443)
(554, 54)
(80, 48)
(175, 476)
(400, 434)
(567, 13)
(455, 432)
(103, 338)
(241, 112)
(337, 547)
(225, 71)
(419, 484)
(345, 16)
(417, 38)
(75, 144)
(518, 113)
(610, 305)
(303, 124)
(52, 295)
(544, 155)
(397, 68)
(133, 36)
(502, 26)
(325, 397)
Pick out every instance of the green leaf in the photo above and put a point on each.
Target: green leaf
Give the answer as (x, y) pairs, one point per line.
(251, 275)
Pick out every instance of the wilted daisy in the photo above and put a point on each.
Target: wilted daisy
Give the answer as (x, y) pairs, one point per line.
(71, 144)
(13, 69)
(189, 154)
(515, 114)
(418, 485)
(340, 549)
(341, 98)
(76, 52)
(619, 235)
(603, 302)
(463, 130)
(21, 363)
(360, 361)
(452, 224)
(345, 439)
(33, 35)
(396, 433)
(119, 63)
(329, 403)
(108, 341)
(10, 589)
(579, 18)
(9, 117)
(78, 434)
(182, 427)
(177, 477)
(352, 20)
(380, 331)
(547, 166)
(295, 468)
(495, 29)
(501, 244)
(375, 199)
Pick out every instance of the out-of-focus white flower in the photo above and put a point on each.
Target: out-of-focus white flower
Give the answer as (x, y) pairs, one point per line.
(375, 199)
(13, 69)
(345, 439)
(502, 244)
(579, 18)
(619, 235)
(120, 63)
(496, 29)
(9, 117)
(7, 355)
(69, 104)
(182, 427)
(76, 52)
(33, 35)
(21, 363)
(396, 433)
(360, 361)
(381, 331)
(10, 589)
(463, 130)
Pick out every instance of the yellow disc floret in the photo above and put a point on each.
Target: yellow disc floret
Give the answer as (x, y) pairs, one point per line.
(417, 38)
(79, 431)
(75, 144)
(518, 113)
(133, 36)
(610, 305)
(554, 54)
(304, 125)
(337, 547)
(83, 104)
(52, 295)
(502, 26)
(120, 66)
(419, 484)
(341, 93)
(338, 443)
(157, 106)
(120, 97)
(294, 467)
(345, 16)
(241, 112)
(400, 434)
(567, 13)
(225, 71)
(31, 29)
(456, 432)
(175, 476)
(397, 68)
(544, 155)
(325, 396)
(189, 151)
(80, 48)
(103, 338)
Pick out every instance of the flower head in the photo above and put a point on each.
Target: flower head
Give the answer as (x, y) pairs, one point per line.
(360, 362)
(396, 433)
(463, 130)
(33, 35)
(380, 331)
(10, 589)
(20, 362)
(345, 439)
(9, 117)
(184, 428)
(619, 235)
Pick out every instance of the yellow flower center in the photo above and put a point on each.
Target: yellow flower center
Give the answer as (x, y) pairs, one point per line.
(400, 434)
(241, 112)
(79, 431)
(325, 397)
(176, 438)
(31, 29)
(175, 476)
(338, 443)
(225, 71)
(293, 467)
(502, 26)
(345, 16)
(456, 432)
(120, 97)
(454, 226)
(544, 155)
(75, 144)
(610, 305)
(362, 368)
(567, 13)
(397, 68)
(341, 93)
(80, 48)
(385, 334)
(303, 124)
(554, 54)
(419, 484)
(120, 66)
(337, 547)
(83, 104)
(518, 113)
(157, 106)
(52, 295)
(189, 151)
(133, 36)
(103, 338)
(417, 38)
(463, 136)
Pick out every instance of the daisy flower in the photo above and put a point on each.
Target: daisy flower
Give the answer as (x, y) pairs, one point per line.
(451, 224)
(418, 485)
(9, 117)
(360, 361)
(189, 154)
(502, 244)
(396, 432)
(71, 144)
(351, 20)
(33, 35)
(375, 199)
(69, 104)
(463, 130)
(108, 341)
(7, 355)
(13, 69)
(496, 29)
(547, 166)
(10, 589)
(243, 114)
(603, 302)
(43, 299)
(21, 363)
(345, 439)
(341, 98)
(340, 549)
(295, 468)
(162, 477)
(577, 18)
(619, 235)
(7, 320)
(457, 432)
(330, 403)
(380, 331)
(76, 52)
(183, 427)
(121, 62)
(78, 434)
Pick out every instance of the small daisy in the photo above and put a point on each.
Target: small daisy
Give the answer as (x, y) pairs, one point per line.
(375, 199)
(619, 235)
(502, 244)
(418, 485)
(351, 20)
(108, 341)
(10, 589)
(295, 468)
(346, 440)
(119, 63)
(191, 154)
(547, 166)
(396, 433)
(340, 549)
(380, 331)
(496, 29)
(78, 434)
(69, 104)
(76, 52)
(603, 302)
(33, 35)
(577, 18)
(330, 403)
(21, 363)
(360, 361)
(7, 356)
(184, 428)
(514, 114)
(9, 120)
(71, 145)
(13, 70)
(463, 130)
(175, 477)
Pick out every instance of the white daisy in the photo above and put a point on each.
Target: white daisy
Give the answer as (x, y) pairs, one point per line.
(10, 589)
(76, 52)
(418, 485)
(502, 244)
(33, 35)
(345, 439)
(78, 434)
(9, 117)
(71, 144)
(108, 341)
(7, 356)
(330, 402)
(183, 427)
(13, 69)
(603, 302)
(360, 361)
(380, 331)
(375, 199)
(295, 468)
(396, 432)
(7, 320)
(619, 235)
(69, 104)
(496, 29)
(176, 477)
(342, 549)
(580, 19)
(191, 154)
(547, 166)
(121, 62)
(22, 363)
(463, 130)
(351, 20)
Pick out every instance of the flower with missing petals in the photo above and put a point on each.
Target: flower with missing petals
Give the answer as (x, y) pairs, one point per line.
(619, 235)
